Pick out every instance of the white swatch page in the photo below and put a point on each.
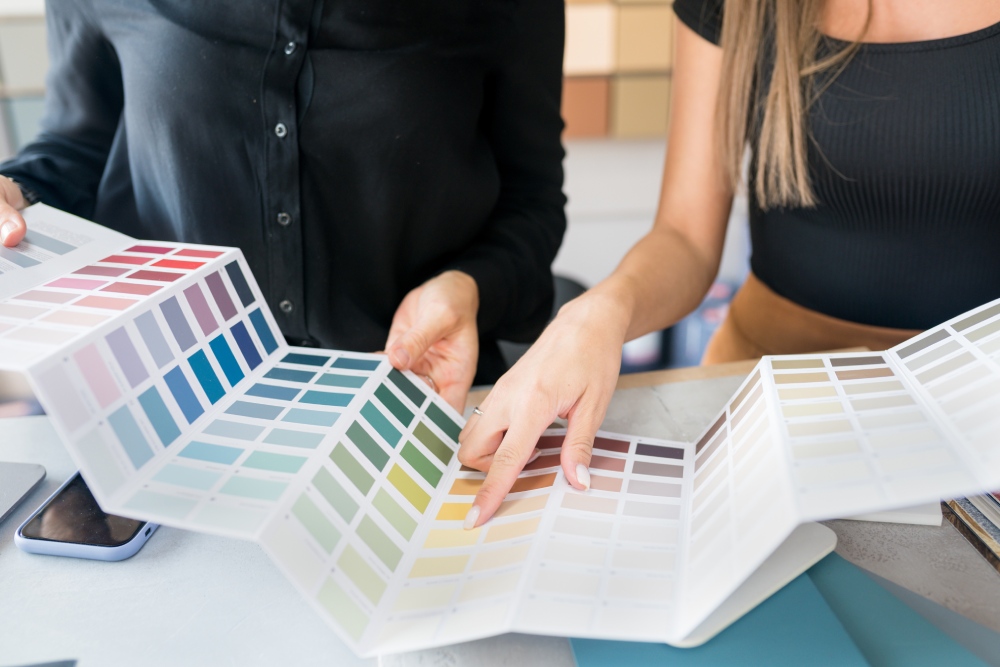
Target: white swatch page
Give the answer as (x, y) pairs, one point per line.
(166, 376)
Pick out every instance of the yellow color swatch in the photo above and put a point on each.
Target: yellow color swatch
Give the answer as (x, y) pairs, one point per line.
(490, 560)
(510, 531)
(521, 505)
(409, 488)
(424, 597)
(454, 537)
(453, 511)
(439, 567)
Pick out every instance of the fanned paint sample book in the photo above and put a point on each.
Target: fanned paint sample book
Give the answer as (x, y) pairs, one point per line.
(166, 376)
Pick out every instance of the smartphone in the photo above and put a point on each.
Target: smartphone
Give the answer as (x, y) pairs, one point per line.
(71, 523)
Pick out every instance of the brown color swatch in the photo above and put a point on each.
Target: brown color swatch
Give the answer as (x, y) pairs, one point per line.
(585, 104)
(865, 374)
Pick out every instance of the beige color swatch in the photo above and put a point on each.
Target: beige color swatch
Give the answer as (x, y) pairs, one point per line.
(640, 105)
(645, 38)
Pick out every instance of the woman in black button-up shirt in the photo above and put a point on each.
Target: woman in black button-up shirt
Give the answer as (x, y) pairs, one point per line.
(352, 149)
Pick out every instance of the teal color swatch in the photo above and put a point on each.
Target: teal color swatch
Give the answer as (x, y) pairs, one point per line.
(381, 424)
(274, 462)
(311, 417)
(207, 378)
(290, 375)
(227, 360)
(262, 390)
(305, 359)
(202, 451)
(192, 478)
(159, 416)
(443, 421)
(133, 441)
(337, 380)
(410, 390)
(259, 489)
(330, 398)
(394, 405)
(238, 430)
(255, 410)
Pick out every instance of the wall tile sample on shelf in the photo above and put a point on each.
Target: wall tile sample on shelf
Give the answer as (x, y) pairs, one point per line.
(167, 378)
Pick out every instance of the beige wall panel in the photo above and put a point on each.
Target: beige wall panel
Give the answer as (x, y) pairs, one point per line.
(645, 38)
(23, 57)
(591, 31)
(640, 106)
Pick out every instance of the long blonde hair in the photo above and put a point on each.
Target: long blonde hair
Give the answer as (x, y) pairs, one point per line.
(780, 153)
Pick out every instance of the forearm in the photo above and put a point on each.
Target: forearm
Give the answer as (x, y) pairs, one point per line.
(659, 281)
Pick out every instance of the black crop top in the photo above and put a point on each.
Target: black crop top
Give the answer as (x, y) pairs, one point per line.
(906, 168)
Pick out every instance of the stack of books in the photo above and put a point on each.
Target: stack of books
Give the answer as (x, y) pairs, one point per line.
(978, 519)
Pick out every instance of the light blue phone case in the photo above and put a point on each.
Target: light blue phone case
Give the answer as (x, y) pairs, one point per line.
(74, 550)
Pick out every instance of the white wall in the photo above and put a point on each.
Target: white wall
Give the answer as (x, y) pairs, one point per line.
(613, 187)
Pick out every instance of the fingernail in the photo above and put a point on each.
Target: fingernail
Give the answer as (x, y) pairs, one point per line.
(583, 476)
(402, 356)
(471, 518)
(534, 455)
(6, 229)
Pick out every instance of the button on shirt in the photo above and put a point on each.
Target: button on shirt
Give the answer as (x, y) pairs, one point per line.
(352, 149)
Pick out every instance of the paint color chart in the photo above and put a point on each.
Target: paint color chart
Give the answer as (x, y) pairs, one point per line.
(166, 376)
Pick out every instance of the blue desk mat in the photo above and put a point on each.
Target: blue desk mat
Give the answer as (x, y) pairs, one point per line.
(834, 614)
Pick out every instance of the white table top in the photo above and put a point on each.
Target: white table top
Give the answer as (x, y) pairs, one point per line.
(193, 599)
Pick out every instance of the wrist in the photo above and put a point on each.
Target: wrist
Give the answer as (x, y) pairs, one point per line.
(12, 193)
(464, 290)
(605, 305)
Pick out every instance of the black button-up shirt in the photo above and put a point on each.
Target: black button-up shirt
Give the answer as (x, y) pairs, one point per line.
(351, 148)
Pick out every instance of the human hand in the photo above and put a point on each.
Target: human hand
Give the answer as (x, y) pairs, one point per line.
(12, 225)
(434, 334)
(570, 372)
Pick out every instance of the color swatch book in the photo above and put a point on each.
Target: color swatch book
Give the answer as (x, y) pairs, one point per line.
(169, 382)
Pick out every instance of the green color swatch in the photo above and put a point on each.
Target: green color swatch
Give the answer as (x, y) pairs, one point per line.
(395, 514)
(379, 543)
(259, 489)
(394, 405)
(361, 573)
(335, 494)
(274, 462)
(367, 445)
(443, 421)
(352, 468)
(409, 488)
(433, 443)
(319, 526)
(280, 436)
(421, 464)
(410, 390)
(343, 609)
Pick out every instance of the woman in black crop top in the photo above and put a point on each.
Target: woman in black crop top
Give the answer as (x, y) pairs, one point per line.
(875, 204)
